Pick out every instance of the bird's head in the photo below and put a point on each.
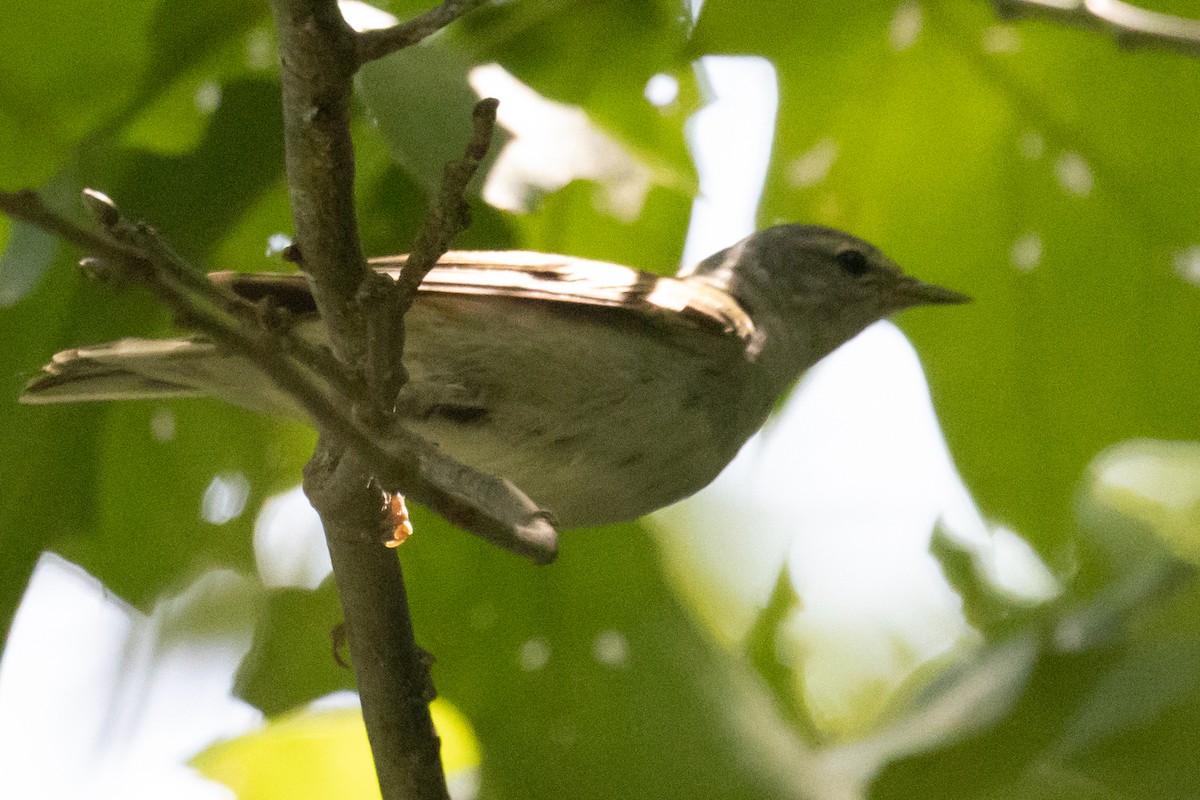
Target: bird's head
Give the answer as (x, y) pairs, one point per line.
(812, 288)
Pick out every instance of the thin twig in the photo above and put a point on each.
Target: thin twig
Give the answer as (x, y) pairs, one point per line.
(450, 214)
(145, 240)
(385, 41)
(26, 205)
(140, 250)
(173, 266)
(1131, 25)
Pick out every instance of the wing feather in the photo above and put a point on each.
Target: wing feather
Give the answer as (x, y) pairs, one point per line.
(539, 277)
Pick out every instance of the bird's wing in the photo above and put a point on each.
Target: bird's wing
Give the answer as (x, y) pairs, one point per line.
(686, 314)
(539, 277)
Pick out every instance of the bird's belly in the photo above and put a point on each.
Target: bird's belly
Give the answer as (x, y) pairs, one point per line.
(594, 421)
(588, 466)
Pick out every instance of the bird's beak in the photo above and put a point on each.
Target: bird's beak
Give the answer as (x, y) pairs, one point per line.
(909, 292)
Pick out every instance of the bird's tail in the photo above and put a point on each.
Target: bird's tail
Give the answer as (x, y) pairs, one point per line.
(132, 369)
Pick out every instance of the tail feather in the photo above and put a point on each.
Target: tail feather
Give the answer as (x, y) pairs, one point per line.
(80, 382)
(132, 369)
(128, 369)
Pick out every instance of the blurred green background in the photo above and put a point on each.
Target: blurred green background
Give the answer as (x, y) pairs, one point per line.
(1042, 169)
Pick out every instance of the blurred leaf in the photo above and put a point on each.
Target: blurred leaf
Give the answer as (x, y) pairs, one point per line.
(392, 205)
(988, 762)
(183, 33)
(598, 54)
(421, 101)
(763, 651)
(1136, 691)
(88, 50)
(1115, 673)
(147, 529)
(987, 608)
(292, 662)
(1156, 484)
(323, 753)
(588, 668)
(1097, 679)
(195, 199)
(29, 252)
(47, 477)
(136, 58)
(93, 690)
(1150, 751)
(571, 221)
(945, 704)
(244, 248)
(1133, 512)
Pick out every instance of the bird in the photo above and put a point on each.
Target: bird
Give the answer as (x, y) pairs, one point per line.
(602, 391)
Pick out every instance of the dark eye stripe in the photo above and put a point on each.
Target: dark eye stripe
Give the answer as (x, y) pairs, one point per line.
(852, 262)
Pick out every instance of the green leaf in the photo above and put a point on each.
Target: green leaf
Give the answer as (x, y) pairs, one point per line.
(588, 668)
(1141, 722)
(1136, 691)
(29, 252)
(571, 221)
(987, 608)
(161, 102)
(321, 753)
(599, 55)
(1156, 484)
(292, 662)
(87, 50)
(151, 535)
(195, 199)
(148, 527)
(422, 103)
(988, 762)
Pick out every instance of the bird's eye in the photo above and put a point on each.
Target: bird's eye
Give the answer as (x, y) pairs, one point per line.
(852, 262)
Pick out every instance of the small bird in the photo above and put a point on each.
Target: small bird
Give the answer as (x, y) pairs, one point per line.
(601, 391)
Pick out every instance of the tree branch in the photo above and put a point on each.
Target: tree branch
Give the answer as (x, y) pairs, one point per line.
(362, 309)
(348, 391)
(391, 671)
(1131, 25)
(385, 41)
(317, 58)
(489, 507)
(142, 242)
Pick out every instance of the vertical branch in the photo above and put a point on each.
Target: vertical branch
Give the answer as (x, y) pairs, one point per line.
(363, 312)
(318, 57)
(391, 671)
